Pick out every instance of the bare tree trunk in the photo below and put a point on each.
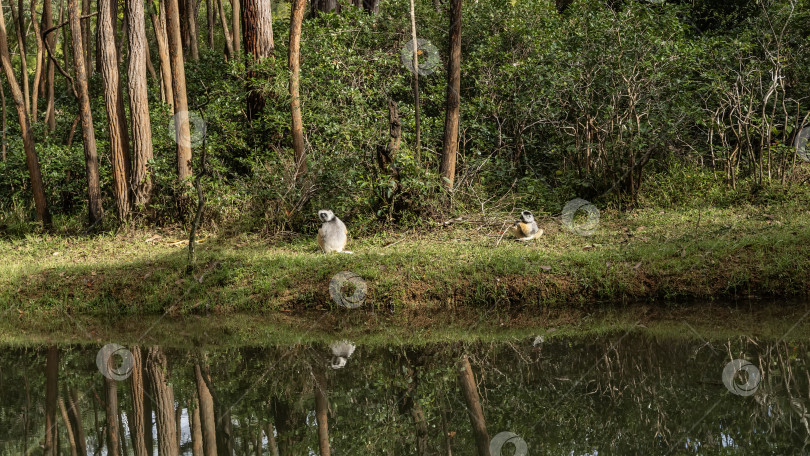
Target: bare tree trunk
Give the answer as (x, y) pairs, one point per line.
(296, 18)
(207, 419)
(87, 39)
(68, 428)
(50, 74)
(88, 133)
(191, 14)
(3, 96)
(136, 420)
(147, 411)
(114, 104)
(236, 14)
(196, 430)
(75, 416)
(257, 16)
(181, 122)
(39, 60)
(473, 401)
(51, 393)
(416, 86)
(148, 53)
(31, 159)
(159, 25)
(209, 13)
(19, 28)
(451, 120)
(229, 53)
(157, 368)
(139, 103)
(271, 439)
(111, 388)
(178, 419)
(321, 407)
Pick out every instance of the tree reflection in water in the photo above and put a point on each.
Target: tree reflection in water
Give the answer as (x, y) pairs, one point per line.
(618, 394)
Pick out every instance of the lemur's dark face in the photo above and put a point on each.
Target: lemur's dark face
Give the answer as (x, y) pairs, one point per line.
(325, 215)
(526, 217)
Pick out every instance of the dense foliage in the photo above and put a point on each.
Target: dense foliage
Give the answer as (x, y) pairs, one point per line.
(603, 100)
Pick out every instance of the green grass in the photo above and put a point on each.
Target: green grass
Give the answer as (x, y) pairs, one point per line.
(640, 256)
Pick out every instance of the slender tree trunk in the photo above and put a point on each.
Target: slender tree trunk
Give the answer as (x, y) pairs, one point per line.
(257, 16)
(178, 419)
(196, 430)
(39, 60)
(31, 159)
(157, 368)
(111, 388)
(149, 65)
(159, 25)
(68, 428)
(207, 419)
(87, 39)
(321, 407)
(50, 74)
(225, 437)
(75, 416)
(296, 18)
(147, 409)
(3, 97)
(19, 28)
(473, 401)
(229, 53)
(139, 103)
(236, 14)
(136, 419)
(191, 14)
(209, 13)
(271, 439)
(51, 394)
(181, 122)
(450, 150)
(114, 104)
(416, 86)
(88, 133)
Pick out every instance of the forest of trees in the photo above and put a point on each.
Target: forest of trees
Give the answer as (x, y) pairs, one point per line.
(299, 106)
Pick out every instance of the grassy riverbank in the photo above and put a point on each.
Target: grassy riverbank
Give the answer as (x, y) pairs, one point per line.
(645, 255)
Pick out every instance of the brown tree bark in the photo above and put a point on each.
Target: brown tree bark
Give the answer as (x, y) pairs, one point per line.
(321, 407)
(196, 429)
(111, 389)
(296, 18)
(139, 103)
(40, 60)
(209, 13)
(159, 25)
(207, 419)
(88, 133)
(19, 29)
(257, 16)
(447, 167)
(229, 53)
(3, 100)
(193, 32)
(68, 428)
(75, 416)
(416, 104)
(473, 401)
(181, 122)
(271, 439)
(290, 423)
(87, 39)
(236, 15)
(114, 104)
(51, 394)
(31, 159)
(147, 409)
(50, 73)
(157, 368)
(136, 419)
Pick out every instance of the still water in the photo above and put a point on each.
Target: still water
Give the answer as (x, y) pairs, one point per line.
(623, 393)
